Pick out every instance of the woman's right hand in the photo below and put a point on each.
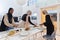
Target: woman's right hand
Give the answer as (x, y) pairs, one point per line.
(35, 26)
(27, 28)
(41, 24)
(15, 25)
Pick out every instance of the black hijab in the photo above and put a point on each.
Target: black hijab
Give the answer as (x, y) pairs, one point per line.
(48, 19)
(10, 15)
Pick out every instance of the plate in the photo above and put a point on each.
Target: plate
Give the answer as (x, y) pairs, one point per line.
(24, 33)
(40, 28)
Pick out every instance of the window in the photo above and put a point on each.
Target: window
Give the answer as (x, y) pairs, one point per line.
(53, 14)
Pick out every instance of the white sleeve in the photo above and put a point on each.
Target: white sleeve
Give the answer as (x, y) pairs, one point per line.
(13, 21)
(6, 22)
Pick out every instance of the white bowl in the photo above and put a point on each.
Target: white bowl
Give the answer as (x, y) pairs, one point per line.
(24, 33)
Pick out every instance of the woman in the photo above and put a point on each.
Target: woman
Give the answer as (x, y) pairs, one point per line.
(8, 21)
(26, 20)
(49, 25)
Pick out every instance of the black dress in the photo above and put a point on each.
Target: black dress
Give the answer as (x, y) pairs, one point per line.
(49, 25)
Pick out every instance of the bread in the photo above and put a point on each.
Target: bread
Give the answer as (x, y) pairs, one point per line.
(11, 33)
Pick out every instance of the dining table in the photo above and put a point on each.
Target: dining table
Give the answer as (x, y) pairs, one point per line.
(22, 34)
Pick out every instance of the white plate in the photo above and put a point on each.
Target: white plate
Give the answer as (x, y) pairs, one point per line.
(24, 33)
(40, 28)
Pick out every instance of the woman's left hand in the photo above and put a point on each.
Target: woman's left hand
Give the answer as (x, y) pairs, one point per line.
(15, 25)
(41, 24)
(35, 25)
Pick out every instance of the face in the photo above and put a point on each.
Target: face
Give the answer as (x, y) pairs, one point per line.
(11, 11)
(29, 12)
(44, 12)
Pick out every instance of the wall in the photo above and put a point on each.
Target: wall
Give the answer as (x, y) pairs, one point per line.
(6, 4)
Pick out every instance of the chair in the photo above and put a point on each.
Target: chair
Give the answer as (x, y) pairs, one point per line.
(52, 37)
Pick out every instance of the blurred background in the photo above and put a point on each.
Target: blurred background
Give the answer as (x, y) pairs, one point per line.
(36, 6)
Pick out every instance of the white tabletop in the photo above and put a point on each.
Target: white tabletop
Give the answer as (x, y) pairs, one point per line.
(18, 36)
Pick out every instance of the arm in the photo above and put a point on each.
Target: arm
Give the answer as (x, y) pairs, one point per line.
(45, 24)
(26, 19)
(13, 21)
(6, 22)
(26, 23)
(30, 21)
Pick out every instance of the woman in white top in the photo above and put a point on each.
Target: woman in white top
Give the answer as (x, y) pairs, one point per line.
(8, 21)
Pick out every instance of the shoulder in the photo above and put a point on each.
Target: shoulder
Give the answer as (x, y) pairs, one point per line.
(5, 15)
(47, 15)
(24, 15)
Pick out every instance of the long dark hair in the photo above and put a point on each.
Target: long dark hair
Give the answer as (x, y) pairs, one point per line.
(10, 15)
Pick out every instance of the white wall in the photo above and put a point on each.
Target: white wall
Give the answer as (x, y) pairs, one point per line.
(44, 3)
(19, 10)
(6, 4)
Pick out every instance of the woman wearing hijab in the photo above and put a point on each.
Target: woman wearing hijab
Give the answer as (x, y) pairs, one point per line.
(49, 25)
(8, 21)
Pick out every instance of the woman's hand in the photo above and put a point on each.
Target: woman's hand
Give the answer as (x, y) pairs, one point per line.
(35, 25)
(27, 28)
(15, 25)
(41, 24)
